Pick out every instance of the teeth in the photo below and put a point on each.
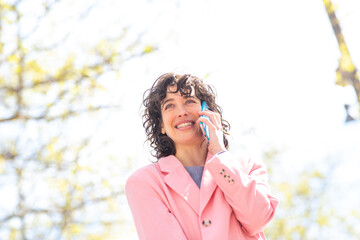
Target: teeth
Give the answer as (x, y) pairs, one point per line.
(184, 125)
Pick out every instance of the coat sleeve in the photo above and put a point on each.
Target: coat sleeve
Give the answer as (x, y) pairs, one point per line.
(245, 187)
(153, 219)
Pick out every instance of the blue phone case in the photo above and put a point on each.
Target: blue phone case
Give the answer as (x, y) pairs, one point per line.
(205, 127)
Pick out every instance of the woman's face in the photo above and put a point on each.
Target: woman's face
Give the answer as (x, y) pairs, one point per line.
(179, 114)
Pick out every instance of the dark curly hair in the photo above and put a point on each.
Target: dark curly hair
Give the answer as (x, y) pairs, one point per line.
(153, 98)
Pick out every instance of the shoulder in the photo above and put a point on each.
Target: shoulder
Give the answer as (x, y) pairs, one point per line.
(152, 176)
(252, 162)
(145, 174)
(141, 181)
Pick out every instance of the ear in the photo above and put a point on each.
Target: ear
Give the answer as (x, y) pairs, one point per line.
(162, 128)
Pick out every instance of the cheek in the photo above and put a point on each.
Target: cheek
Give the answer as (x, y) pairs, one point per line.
(195, 109)
(166, 120)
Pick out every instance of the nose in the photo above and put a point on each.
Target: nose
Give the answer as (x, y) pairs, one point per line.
(182, 111)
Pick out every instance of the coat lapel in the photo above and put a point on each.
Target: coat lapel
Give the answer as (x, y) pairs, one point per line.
(208, 186)
(180, 181)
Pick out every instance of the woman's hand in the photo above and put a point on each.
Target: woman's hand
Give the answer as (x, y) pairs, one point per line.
(216, 142)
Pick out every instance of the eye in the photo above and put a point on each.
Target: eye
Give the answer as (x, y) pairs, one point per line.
(190, 101)
(169, 106)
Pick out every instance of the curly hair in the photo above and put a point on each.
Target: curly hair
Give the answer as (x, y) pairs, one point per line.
(162, 144)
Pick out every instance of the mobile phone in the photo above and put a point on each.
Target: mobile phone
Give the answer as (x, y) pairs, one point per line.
(204, 126)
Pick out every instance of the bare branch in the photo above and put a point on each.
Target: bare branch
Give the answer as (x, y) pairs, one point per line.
(346, 75)
(47, 7)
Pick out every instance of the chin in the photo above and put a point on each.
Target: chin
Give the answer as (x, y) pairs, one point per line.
(190, 141)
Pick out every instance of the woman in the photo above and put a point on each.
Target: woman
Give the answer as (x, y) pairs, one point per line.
(196, 189)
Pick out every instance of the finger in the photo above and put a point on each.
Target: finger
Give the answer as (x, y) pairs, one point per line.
(206, 121)
(202, 129)
(214, 118)
(218, 119)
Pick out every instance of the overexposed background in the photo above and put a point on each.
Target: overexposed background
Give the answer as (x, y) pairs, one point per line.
(273, 65)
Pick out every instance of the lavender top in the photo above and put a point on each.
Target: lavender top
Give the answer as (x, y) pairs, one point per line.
(196, 174)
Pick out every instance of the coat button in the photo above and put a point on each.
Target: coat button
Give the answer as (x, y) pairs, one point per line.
(231, 181)
(222, 171)
(206, 223)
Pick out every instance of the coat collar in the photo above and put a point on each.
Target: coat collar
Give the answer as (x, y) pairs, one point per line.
(181, 182)
(170, 163)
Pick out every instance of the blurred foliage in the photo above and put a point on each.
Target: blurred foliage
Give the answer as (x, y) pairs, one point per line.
(310, 206)
(50, 109)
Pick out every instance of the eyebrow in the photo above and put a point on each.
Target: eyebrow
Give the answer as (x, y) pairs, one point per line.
(166, 101)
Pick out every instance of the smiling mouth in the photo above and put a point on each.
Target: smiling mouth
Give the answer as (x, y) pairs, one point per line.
(183, 125)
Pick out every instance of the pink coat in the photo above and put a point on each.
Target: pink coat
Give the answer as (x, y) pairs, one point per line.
(234, 201)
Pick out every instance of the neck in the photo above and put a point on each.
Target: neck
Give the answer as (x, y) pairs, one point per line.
(192, 155)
